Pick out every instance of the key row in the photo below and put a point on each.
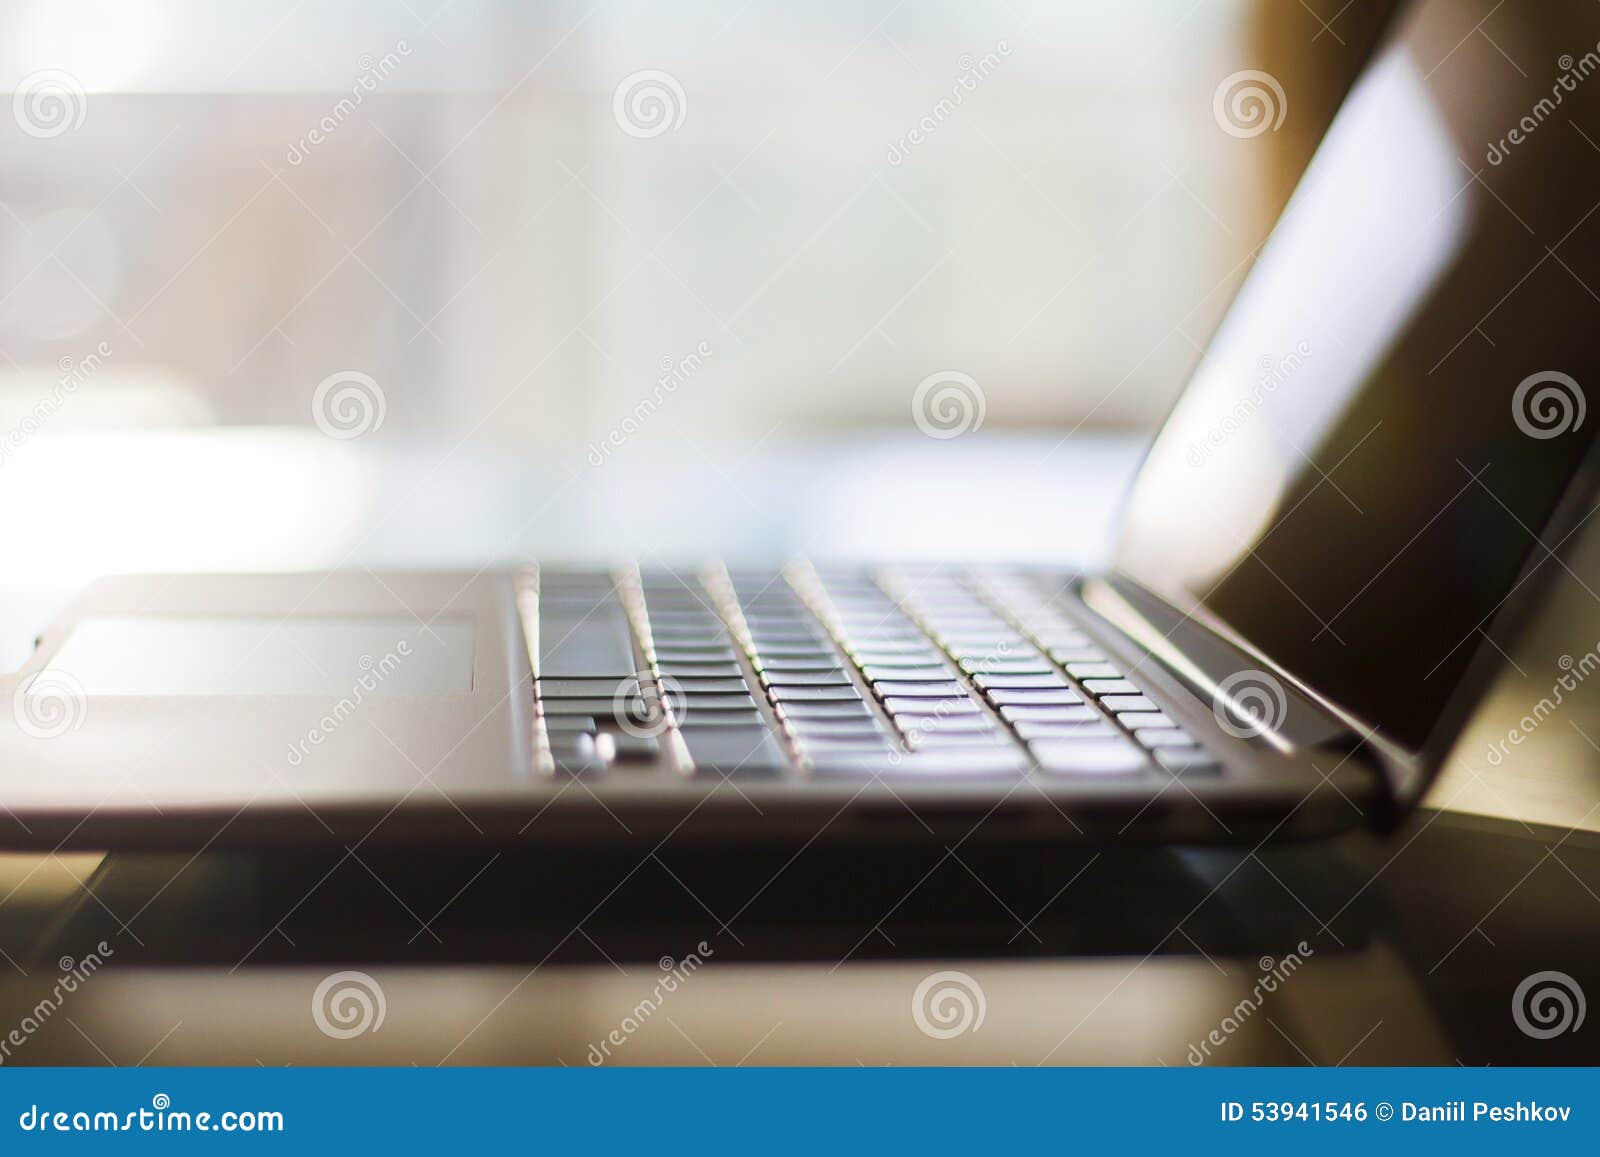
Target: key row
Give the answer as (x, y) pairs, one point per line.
(1063, 733)
(705, 687)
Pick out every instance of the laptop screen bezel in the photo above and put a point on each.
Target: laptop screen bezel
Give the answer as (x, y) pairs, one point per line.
(1408, 770)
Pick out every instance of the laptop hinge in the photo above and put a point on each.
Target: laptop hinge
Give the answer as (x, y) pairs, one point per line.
(1246, 694)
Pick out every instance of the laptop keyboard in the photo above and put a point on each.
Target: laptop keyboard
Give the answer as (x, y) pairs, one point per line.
(833, 674)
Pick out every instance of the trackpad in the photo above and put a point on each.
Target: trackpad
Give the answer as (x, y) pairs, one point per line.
(265, 655)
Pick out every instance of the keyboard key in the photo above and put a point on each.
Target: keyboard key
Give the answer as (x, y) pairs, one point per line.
(684, 701)
(763, 638)
(823, 748)
(865, 730)
(1099, 687)
(1066, 655)
(922, 733)
(932, 672)
(952, 720)
(825, 711)
(1033, 697)
(601, 687)
(1093, 671)
(1006, 666)
(842, 694)
(1050, 715)
(1135, 720)
(888, 648)
(1117, 704)
(1018, 682)
(585, 643)
(628, 748)
(733, 751)
(663, 615)
(708, 670)
(1187, 761)
(912, 663)
(695, 660)
(576, 755)
(879, 624)
(666, 623)
(919, 690)
(1164, 737)
(934, 708)
(856, 710)
(822, 665)
(878, 662)
(569, 724)
(715, 686)
(636, 706)
(695, 655)
(800, 653)
(1093, 758)
(951, 740)
(976, 643)
(721, 717)
(835, 678)
(689, 631)
(1064, 732)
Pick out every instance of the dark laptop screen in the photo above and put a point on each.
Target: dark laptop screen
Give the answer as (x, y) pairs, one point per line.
(1370, 447)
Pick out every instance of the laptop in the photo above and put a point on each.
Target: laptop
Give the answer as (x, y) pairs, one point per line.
(1366, 483)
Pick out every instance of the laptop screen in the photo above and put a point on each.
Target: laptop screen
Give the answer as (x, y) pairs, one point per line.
(1369, 449)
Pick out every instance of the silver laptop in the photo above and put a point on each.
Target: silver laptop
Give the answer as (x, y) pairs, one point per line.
(1367, 479)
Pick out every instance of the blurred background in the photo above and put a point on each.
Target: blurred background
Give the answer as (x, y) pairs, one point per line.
(604, 278)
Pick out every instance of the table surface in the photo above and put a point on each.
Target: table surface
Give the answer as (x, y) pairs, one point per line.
(1400, 950)
(1405, 948)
